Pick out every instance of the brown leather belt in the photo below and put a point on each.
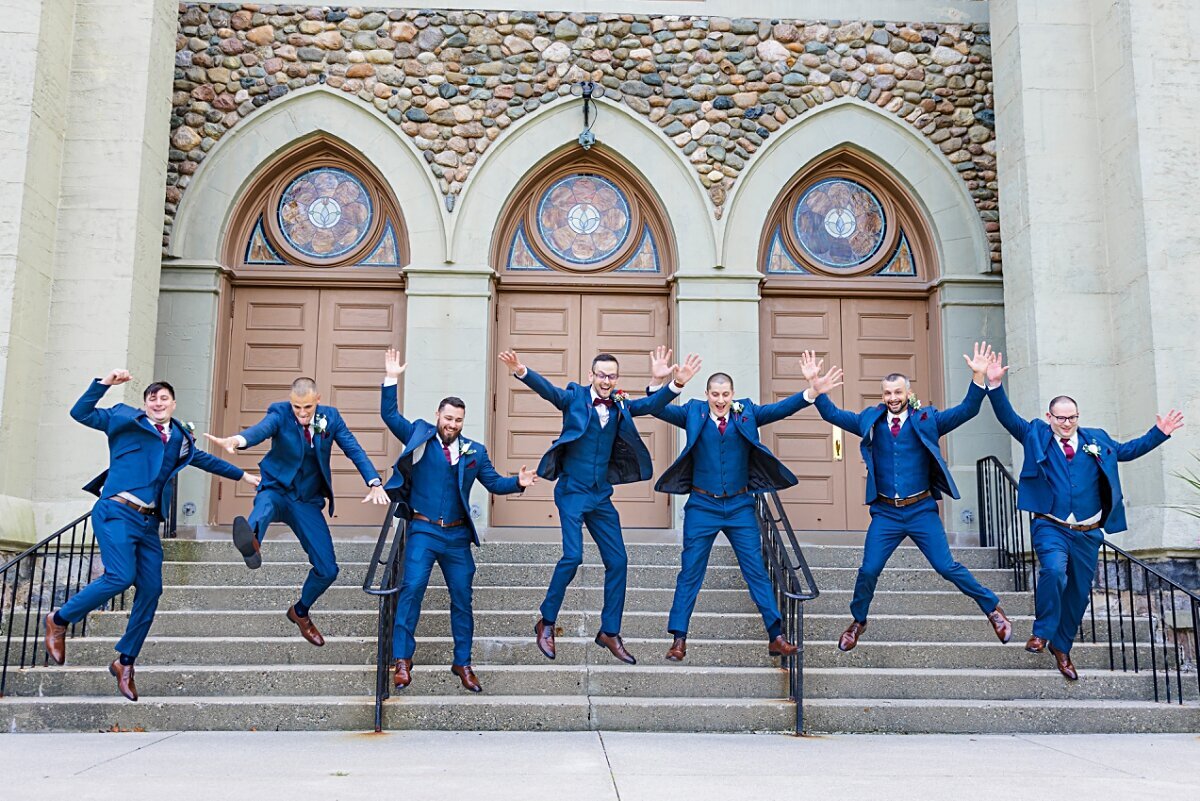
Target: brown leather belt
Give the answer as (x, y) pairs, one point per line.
(148, 511)
(1072, 526)
(900, 503)
(439, 523)
(719, 497)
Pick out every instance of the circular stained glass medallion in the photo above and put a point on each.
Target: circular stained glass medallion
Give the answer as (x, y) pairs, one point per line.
(839, 223)
(583, 219)
(325, 213)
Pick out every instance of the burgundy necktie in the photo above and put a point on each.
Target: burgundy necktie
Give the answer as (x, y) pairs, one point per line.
(446, 450)
(162, 432)
(721, 424)
(895, 426)
(1068, 451)
(308, 434)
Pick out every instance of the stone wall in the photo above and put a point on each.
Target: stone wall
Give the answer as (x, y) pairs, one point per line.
(454, 80)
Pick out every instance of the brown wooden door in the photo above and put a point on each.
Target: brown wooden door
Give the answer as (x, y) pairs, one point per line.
(337, 336)
(868, 338)
(557, 334)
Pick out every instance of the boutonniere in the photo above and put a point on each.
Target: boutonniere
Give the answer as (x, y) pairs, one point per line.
(1093, 449)
(914, 403)
(464, 449)
(189, 427)
(620, 396)
(320, 423)
(737, 407)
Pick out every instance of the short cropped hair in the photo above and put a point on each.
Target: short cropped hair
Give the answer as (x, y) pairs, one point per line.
(890, 377)
(1061, 399)
(718, 378)
(155, 387)
(605, 357)
(451, 400)
(304, 386)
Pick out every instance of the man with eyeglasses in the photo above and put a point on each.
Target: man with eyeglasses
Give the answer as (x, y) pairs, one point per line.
(599, 447)
(1069, 481)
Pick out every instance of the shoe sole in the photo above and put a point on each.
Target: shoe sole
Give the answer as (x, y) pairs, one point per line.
(244, 540)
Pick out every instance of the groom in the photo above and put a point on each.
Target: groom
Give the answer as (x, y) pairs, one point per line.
(599, 447)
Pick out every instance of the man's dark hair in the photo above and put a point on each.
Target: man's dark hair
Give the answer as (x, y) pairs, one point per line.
(605, 357)
(1061, 399)
(454, 401)
(155, 387)
(718, 378)
(891, 377)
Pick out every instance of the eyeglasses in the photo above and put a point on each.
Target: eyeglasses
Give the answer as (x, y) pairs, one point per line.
(607, 376)
(1062, 421)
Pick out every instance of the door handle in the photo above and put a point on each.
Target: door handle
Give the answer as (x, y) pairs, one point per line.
(837, 444)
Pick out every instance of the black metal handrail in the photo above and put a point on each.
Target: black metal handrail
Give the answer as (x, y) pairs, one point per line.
(36, 582)
(387, 590)
(1144, 615)
(793, 583)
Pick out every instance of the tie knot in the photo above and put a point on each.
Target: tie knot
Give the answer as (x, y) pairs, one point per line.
(721, 419)
(1065, 440)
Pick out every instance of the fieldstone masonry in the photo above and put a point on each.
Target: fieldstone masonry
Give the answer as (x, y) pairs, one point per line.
(454, 80)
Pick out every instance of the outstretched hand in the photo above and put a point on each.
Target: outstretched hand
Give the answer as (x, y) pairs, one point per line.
(509, 357)
(230, 444)
(526, 477)
(996, 369)
(1172, 422)
(980, 360)
(661, 368)
(810, 365)
(392, 364)
(378, 496)
(118, 376)
(687, 371)
(824, 384)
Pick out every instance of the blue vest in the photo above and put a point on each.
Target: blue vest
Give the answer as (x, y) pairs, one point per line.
(721, 461)
(902, 463)
(308, 484)
(171, 450)
(435, 492)
(586, 459)
(1079, 495)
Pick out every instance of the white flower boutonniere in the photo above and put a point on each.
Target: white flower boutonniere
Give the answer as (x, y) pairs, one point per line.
(1092, 448)
(914, 402)
(737, 407)
(320, 423)
(464, 448)
(620, 396)
(189, 427)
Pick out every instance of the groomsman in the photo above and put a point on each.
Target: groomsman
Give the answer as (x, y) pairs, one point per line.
(906, 476)
(147, 447)
(722, 466)
(433, 476)
(599, 447)
(1070, 483)
(296, 484)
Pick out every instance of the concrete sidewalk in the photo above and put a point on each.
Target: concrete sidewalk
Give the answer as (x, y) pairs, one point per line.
(497, 766)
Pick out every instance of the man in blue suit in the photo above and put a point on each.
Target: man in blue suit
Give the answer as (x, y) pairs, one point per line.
(433, 477)
(722, 466)
(1070, 483)
(296, 483)
(146, 447)
(599, 447)
(906, 476)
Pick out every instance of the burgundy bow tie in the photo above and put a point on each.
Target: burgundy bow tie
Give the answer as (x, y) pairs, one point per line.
(602, 402)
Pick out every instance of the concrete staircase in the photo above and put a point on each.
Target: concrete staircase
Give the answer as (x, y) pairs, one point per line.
(221, 655)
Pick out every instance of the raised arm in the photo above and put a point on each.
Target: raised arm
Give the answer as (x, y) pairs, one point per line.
(1012, 422)
(830, 413)
(397, 423)
(949, 419)
(819, 384)
(659, 401)
(85, 411)
(559, 397)
(1163, 428)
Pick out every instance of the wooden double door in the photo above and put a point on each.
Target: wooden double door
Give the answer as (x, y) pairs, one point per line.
(558, 334)
(338, 337)
(868, 338)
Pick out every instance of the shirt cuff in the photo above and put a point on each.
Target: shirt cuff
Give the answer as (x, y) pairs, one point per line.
(390, 382)
(521, 374)
(241, 441)
(375, 482)
(810, 396)
(674, 387)
(981, 386)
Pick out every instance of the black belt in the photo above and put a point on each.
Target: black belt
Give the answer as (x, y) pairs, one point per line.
(148, 511)
(900, 503)
(719, 497)
(438, 522)
(1072, 526)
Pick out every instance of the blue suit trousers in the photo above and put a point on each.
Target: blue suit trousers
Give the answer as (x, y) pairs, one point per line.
(703, 518)
(306, 519)
(450, 548)
(919, 522)
(1067, 566)
(133, 556)
(592, 505)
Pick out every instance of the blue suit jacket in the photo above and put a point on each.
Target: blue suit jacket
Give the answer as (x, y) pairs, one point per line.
(931, 424)
(135, 449)
(415, 435)
(630, 460)
(1035, 488)
(282, 461)
(766, 471)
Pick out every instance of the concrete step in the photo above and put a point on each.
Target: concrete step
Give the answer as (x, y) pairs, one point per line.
(349, 713)
(637, 599)
(538, 575)
(663, 554)
(436, 623)
(1021, 716)
(644, 680)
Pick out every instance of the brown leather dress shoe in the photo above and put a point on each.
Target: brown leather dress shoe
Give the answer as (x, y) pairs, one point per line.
(617, 646)
(56, 640)
(124, 676)
(1063, 661)
(678, 650)
(403, 675)
(308, 629)
(1000, 624)
(849, 637)
(467, 677)
(1035, 645)
(781, 647)
(545, 637)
